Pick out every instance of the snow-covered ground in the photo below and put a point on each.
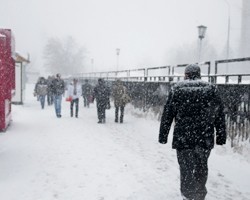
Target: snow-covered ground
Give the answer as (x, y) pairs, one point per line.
(46, 158)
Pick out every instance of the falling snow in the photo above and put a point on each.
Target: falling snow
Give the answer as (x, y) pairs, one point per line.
(43, 158)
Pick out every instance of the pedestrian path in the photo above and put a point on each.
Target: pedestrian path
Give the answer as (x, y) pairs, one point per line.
(43, 157)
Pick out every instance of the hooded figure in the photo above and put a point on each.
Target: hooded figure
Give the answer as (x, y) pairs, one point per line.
(197, 109)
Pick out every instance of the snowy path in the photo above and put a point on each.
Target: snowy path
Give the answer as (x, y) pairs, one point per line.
(46, 158)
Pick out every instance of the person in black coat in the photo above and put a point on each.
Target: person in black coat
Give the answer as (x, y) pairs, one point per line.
(50, 86)
(102, 94)
(86, 93)
(197, 109)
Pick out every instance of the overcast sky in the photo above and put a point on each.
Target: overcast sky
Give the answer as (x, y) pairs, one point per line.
(144, 30)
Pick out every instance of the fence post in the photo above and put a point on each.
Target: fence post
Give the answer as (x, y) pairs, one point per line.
(239, 79)
(145, 89)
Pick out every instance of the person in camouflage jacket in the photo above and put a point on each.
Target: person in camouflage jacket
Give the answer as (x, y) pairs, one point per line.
(120, 99)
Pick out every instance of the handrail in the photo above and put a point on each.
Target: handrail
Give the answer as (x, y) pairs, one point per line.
(142, 74)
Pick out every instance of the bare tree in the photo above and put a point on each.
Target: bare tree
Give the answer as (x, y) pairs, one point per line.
(64, 56)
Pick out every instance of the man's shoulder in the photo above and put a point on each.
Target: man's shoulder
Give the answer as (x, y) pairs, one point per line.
(192, 83)
(193, 87)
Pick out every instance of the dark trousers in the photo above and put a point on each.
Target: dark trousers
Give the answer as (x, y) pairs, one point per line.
(76, 102)
(101, 108)
(193, 172)
(117, 108)
(86, 101)
(50, 99)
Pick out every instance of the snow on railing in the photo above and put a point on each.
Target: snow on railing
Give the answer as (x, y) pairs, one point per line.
(176, 73)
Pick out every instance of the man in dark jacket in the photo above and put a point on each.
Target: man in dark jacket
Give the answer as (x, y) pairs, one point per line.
(101, 94)
(197, 109)
(58, 89)
(50, 86)
(86, 93)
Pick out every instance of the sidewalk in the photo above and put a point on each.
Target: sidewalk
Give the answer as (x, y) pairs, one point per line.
(43, 157)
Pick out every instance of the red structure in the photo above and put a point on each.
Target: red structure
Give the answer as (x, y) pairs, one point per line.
(7, 76)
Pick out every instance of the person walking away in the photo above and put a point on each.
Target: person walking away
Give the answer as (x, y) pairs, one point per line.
(120, 99)
(58, 89)
(101, 94)
(75, 92)
(50, 94)
(197, 109)
(87, 91)
(41, 90)
(35, 89)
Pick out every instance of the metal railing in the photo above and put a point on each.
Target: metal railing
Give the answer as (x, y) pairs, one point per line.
(145, 88)
(168, 73)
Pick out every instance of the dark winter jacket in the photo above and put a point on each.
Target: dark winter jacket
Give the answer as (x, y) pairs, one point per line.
(197, 109)
(101, 94)
(50, 85)
(86, 90)
(58, 86)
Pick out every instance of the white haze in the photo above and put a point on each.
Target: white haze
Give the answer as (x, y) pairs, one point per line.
(144, 30)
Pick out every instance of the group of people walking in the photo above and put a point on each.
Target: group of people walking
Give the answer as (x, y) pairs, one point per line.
(43, 89)
(194, 105)
(102, 95)
(55, 88)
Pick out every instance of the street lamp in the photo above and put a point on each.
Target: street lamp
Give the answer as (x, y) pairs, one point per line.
(201, 32)
(117, 53)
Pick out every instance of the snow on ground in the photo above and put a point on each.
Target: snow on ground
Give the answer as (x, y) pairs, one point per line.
(46, 158)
